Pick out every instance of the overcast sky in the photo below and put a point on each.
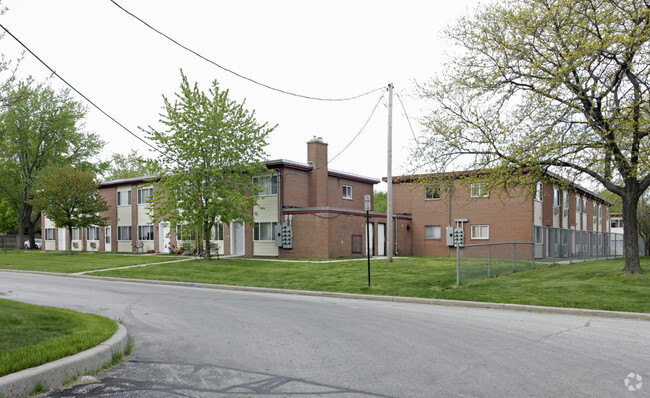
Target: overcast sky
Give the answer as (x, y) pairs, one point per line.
(332, 49)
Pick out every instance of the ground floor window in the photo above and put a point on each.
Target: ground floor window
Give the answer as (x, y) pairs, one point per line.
(124, 232)
(539, 235)
(92, 233)
(76, 234)
(217, 232)
(480, 232)
(432, 232)
(264, 230)
(145, 232)
(49, 233)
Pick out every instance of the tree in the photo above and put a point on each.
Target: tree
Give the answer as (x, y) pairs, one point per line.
(129, 166)
(212, 149)
(380, 199)
(39, 127)
(559, 85)
(8, 220)
(70, 199)
(643, 215)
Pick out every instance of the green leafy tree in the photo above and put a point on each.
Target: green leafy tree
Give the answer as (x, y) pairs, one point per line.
(643, 215)
(8, 220)
(39, 127)
(129, 166)
(70, 199)
(559, 85)
(213, 147)
(381, 201)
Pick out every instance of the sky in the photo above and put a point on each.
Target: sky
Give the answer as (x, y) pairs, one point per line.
(333, 49)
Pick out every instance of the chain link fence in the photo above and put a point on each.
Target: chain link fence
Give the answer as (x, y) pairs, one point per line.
(550, 246)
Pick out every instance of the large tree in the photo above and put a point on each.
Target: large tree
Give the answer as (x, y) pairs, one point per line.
(39, 127)
(212, 147)
(560, 85)
(129, 166)
(8, 220)
(70, 198)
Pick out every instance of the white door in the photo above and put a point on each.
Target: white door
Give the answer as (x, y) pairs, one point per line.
(107, 239)
(238, 239)
(62, 240)
(370, 229)
(163, 237)
(381, 239)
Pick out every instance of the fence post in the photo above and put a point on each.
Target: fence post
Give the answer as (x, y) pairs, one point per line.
(489, 261)
(457, 265)
(514, 257)
(572, 238)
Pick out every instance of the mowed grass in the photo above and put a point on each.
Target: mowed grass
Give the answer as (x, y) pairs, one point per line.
(32, 335)
(593, 284)
(36, 260)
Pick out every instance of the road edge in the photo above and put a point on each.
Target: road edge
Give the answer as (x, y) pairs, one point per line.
(55, 374)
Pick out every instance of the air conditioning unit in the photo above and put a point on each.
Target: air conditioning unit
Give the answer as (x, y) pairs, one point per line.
(556, 210)
(75, 245)
(93, 245)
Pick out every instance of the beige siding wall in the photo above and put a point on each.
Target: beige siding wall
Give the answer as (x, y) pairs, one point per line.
(265, 248)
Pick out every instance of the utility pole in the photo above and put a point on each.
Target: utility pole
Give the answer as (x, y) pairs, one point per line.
(389, 179)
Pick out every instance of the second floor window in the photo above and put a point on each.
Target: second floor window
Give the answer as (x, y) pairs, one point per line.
(267, 184)
(432, 192)
(124, 198)
(479, 190)
(347, 192)
(144, 194)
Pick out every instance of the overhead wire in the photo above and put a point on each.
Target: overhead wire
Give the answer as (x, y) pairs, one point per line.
(236, 73)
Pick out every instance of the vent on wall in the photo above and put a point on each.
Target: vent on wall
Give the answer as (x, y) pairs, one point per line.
(556, 210)
(75, 245)
(93, 245)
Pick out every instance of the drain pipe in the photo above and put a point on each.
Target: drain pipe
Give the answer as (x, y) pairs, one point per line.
(395, 224)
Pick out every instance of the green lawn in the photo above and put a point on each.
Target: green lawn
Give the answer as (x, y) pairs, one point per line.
(36, 260)
(593, 284)
(33, 335)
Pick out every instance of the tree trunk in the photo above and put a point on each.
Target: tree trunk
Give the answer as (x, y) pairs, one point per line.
(206, 233)
(26, 227)
(631, 234)
(69, 241)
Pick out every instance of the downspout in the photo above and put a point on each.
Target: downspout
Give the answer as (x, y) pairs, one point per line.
(448, 215)
(395, 224)
(279, 226)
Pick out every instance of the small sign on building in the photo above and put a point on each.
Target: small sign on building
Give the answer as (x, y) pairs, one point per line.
(368, 202)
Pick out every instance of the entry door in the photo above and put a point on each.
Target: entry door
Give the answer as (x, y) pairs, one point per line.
(370, 250)
(239, 236)
(62, 241)
(163, 236)
(381, 239)
(107, 239)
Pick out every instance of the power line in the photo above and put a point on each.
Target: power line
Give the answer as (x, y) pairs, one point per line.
(238, 74)
(106, 114)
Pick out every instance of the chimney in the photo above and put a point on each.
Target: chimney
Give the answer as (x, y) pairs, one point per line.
(317, 158)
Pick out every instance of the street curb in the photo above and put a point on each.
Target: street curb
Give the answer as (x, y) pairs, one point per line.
(395, 299)
(57, 373)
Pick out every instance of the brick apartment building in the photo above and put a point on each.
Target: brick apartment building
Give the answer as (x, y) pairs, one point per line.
(325, 209)
(487, 217)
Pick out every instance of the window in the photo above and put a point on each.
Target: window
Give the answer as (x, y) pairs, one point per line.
(578, 203)
(185, 232)
(479, 190)
(92, 233)
(480, 232)
(107, 235)
(217, 232)
(49, 233)
(124, 198)
(145, 232)
(267, 184)
(538, 235)
(539, 191)
(432, 232)
(124, 232)
(347, 192)
(556, 196)
(264, 230)
(144, 194)
(76, 234)
(432, 192)
(584, 205)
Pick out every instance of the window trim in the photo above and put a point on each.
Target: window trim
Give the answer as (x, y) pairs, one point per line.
(434, 190)
(478, 190)
(347, 192)
(479, 227)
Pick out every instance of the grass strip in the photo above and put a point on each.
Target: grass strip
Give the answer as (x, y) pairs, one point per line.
(33, 335)
(32, 260)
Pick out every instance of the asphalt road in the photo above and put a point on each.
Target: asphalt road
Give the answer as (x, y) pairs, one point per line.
(194, 342)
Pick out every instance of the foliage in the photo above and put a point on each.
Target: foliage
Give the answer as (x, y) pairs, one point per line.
(558, 85)
(212, 148)
(8, 220)
(70, 199)
(38, 128)
(618, 204)
(643, 215)
(129, 166)
(380, 199)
